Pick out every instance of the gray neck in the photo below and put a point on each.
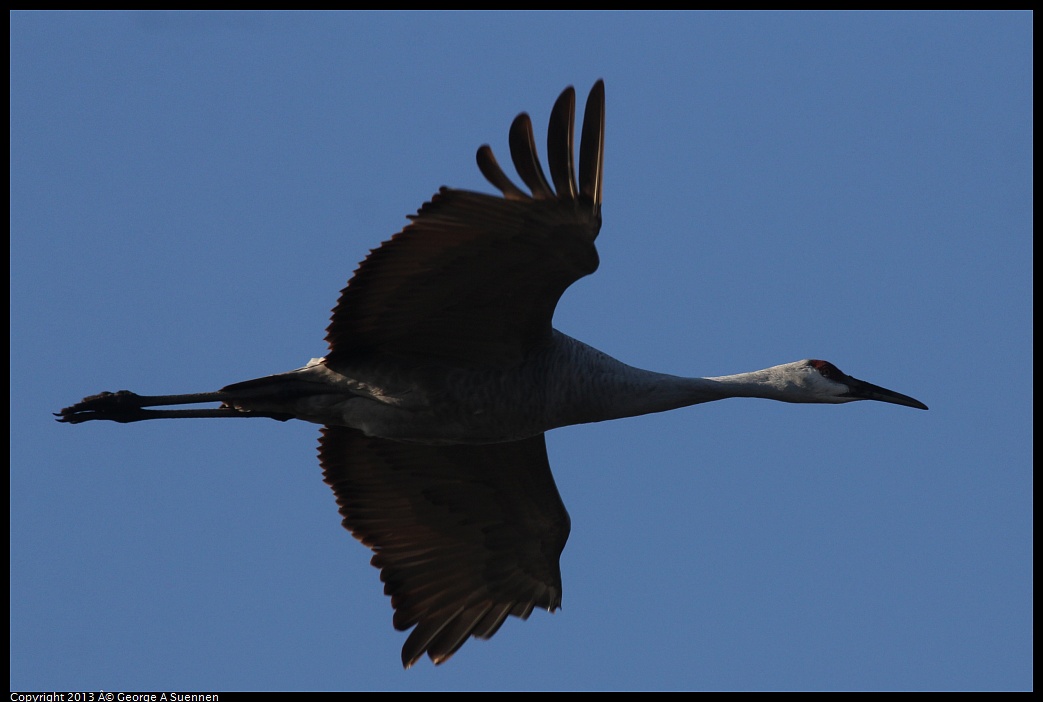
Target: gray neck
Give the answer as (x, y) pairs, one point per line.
(610, 389)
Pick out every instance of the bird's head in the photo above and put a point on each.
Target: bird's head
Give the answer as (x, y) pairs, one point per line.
(812, 380)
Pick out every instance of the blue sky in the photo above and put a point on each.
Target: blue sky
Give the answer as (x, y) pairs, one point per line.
(189, 192)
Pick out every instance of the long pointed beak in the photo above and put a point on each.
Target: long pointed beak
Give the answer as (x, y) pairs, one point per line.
(861, 390)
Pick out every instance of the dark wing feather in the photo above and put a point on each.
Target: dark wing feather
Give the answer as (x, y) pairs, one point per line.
(592, 146)
(463, 535)
(523, 153)
(475, 278)
(559, 144)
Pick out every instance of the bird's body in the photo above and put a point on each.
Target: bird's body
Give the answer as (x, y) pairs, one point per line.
(438, 402)
(443, 374)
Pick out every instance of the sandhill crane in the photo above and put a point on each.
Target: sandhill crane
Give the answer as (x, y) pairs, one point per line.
(443, 374)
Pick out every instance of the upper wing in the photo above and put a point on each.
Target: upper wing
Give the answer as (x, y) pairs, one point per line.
(464, 535)
(475, 278)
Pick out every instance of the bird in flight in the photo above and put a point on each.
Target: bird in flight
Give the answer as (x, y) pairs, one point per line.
(444, 373)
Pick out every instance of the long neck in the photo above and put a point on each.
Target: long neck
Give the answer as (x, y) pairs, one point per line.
(610, 389)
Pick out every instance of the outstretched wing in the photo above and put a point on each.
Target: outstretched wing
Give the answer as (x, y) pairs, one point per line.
(463, 535)
(475, 278)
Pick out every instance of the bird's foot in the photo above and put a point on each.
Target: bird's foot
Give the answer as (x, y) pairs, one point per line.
(123, 406)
